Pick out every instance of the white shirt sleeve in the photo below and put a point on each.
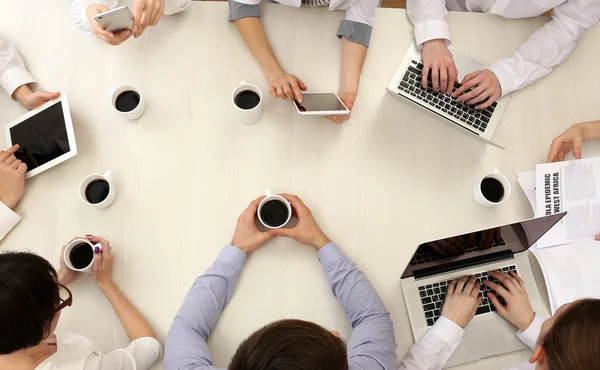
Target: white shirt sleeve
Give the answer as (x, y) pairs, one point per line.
(434, 349)
(429, 20)
(8, 220)
(529, 336)
(12, 69)
(548, 46)
(141, 354)
(362, 11)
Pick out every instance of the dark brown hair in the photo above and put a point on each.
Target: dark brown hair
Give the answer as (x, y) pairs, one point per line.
(291, 345)
(573, 342)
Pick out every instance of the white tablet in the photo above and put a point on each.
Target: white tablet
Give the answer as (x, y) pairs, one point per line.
(320, 104)
(45, 136)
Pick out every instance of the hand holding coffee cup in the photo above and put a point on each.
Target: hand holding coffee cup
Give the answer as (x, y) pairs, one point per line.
(247, 102)
(128, 101)
(247, 237)
(493, 189)
(306, 231)
(274, 211)
(78, 255)
(98, 190)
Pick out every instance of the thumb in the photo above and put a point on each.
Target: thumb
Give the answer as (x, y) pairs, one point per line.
(48, 95)
(577, 147)
(288, 233)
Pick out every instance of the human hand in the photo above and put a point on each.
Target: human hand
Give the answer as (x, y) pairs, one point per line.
(146, 13)
(348, 97)
(518, 309)
(286, 86)
(247, 237)
(32, 100)
(570, 139)
(65, 274)
(480, 87)
(307, 231)
(438, 58)
(462, 300)
(103, 261)
(110, 38)
(448, 247)
(12, 177)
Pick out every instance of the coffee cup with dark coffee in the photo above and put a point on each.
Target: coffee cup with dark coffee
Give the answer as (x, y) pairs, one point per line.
(128, 101)
(274, 211)
(247, 102)
(493, 189)
(79, 255)
(98, 190)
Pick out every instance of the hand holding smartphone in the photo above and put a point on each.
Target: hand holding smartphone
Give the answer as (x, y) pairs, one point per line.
(115, 20)
(321, 104)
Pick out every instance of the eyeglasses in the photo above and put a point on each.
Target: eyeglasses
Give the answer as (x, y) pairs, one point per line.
(64, 302)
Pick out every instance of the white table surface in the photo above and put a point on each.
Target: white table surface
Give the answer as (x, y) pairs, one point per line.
(379, 185)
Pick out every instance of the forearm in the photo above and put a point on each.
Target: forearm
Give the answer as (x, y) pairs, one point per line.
(21, 93)
(591, 130)
(353, 58)
(253, 34)
(132, 320)
(12, 69)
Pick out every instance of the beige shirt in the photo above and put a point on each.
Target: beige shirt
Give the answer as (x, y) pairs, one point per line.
(75, 352)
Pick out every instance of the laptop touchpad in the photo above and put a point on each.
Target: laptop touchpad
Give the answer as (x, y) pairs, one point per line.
(464, 64)
(484, 337)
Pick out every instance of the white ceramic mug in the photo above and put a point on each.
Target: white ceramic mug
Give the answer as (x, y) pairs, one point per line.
(87, 269)
(270, 197)
(248, 116)
(132, 114)
(481, 199)
(112, 192)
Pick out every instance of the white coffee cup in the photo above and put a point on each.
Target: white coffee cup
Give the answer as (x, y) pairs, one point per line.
(132, 114)
(88, 268)
(478, 194)
(112, 192)
(247, 116)
(271, 197)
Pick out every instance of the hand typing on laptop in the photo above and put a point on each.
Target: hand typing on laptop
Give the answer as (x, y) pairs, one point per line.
(480, 88)
(462, 300)
(439, 59)
(518, 310)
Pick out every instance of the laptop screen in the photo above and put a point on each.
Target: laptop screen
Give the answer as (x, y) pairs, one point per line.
(505, 239)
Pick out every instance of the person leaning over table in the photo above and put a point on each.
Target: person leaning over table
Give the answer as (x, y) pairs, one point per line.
(569, 340)
(145, 13)
(32, 297)
(546, 48)
(284, 344)
(571, 140)
(16, 80)
(354, 31)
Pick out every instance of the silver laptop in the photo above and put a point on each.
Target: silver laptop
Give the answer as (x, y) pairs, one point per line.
(435, 264)
(406, 84)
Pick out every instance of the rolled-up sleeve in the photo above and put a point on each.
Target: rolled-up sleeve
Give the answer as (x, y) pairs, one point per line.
(141, 354)
(175, 6)
(241, 10)
(429, 20)
(79, 15)
(358, 25)
(12, 75)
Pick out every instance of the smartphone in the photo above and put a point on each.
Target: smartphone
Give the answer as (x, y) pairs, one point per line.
(321, 104)
(115, 20)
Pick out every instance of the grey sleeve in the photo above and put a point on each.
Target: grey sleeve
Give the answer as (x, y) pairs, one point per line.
(356, 32)
(239, 11)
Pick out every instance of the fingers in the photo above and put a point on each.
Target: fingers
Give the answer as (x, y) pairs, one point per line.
(297, 91)
(288, 91)
(555, 147)
(471, 239)
(97, 261)
(295, 201)
(470, 283)
(449, 247)
(461, 284)
(519, 280)
(476, 289)
(437, 249)
(99, 240)
(138, 9)
(466, 84)
(15, 165)
(435, 78)
(5, 154)
(486, 239)
(117, 39)
(472, 95)
(47, 96)
(303, 86)
(443, 79)
(457, 244)
(452, 287)
(499, 307)
(22, 168)
(490, 100)
(577, 147)
(10, 160)
(280, 92)
(273, 92)
(425, 74)
(160, 8)
(253, 206)
(506, 280)
(287, 233)
(497, 288)
(452, 78)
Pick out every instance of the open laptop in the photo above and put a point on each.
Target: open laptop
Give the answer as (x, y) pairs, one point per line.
(434, 265)
(406, 84)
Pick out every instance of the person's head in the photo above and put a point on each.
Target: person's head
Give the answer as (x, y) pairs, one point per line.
(570, 340)
(291, 345)
(29, 298)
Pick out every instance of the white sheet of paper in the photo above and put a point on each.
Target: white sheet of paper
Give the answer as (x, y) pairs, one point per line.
(572, 186)
(571, 271)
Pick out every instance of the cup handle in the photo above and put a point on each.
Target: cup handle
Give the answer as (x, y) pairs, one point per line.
(268, 193)
(107, 174)
(243, 83)
(496, 170)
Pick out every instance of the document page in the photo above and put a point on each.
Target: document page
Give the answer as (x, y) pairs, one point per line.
(572, 186)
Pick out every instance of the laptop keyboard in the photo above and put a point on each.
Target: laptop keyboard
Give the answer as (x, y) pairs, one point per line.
(434, 295)
(467, 114)
(424, 254)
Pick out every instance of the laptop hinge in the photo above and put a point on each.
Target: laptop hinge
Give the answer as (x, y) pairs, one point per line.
(463, 265)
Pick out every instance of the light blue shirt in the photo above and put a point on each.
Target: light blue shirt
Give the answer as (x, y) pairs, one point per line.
(372, 345)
